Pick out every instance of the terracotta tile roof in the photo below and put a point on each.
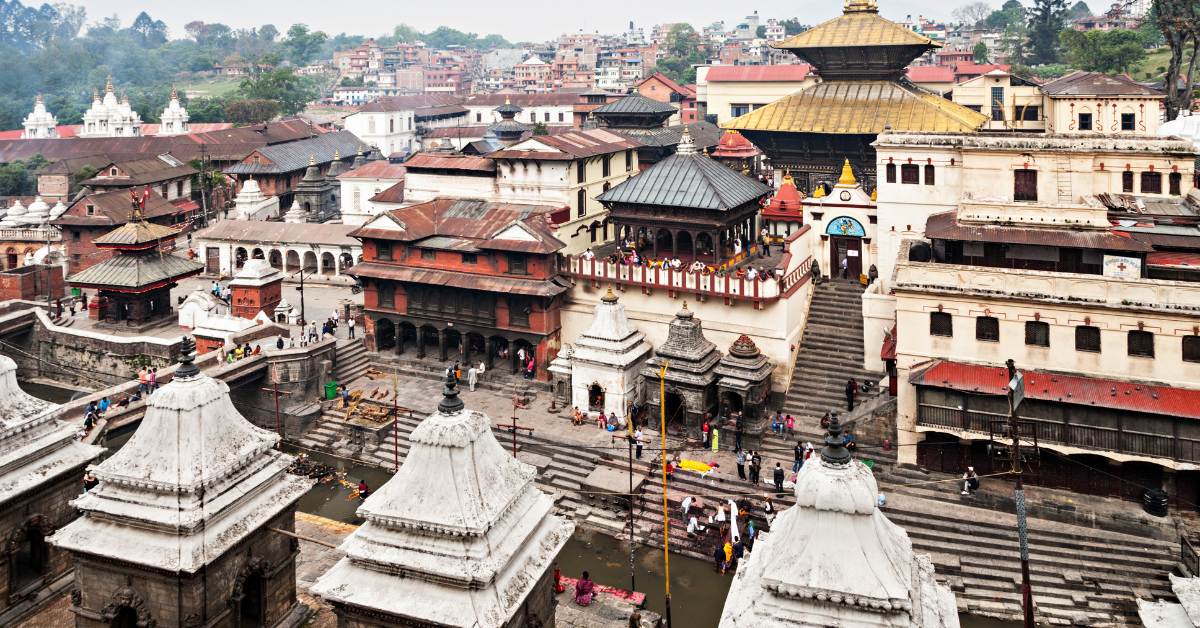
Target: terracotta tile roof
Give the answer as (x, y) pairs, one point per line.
(112, 208)
(854, 29)
(570, 145)
(1081, 83)
(975, 69)
(1073, 389)
(930, 74)
(487, 224)
(434, 161)
(759, 73)
(549, 99)
(452, 279)
(378, 169)
(945, 226)
(860, 107)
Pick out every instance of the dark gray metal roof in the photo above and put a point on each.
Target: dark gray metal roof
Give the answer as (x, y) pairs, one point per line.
(634, 103)
(133, 271)
(704, 134)
(688, 180)
(291, 156)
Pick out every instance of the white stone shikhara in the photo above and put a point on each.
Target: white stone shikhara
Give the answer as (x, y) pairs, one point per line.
(110, 117)
(834, 559)
(40, 124)
(458, 537)
(35, 448)
(609, 355)
(174, 118)
(252, 204)
(195, 479)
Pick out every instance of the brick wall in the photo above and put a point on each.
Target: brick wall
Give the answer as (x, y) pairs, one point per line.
(29, 283)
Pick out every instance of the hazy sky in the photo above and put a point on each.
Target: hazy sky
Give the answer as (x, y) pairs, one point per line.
(534, 20)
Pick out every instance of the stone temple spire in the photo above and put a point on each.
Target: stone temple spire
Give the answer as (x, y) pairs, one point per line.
(470, 545)
(686, 145)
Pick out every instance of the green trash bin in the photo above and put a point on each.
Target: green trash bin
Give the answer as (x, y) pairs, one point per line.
(331, 390)
(76, 291)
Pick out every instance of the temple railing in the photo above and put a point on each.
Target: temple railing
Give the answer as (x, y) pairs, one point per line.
(13, 234)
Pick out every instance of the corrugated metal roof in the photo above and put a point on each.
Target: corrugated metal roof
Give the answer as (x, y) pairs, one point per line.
(135, 271)
(549, 99)
(704, 134)
(477, 220)
(272, 232)
(435, 161)
(410, 103)
(945, 226)
(1073, 389)
(1081, 83)
(378, 169)
(437, 277)
(571, 145)
(293, 156)
(113, 208)
(854, 29)
(635, 104)
(140, 232)
(394, 194)
(860, 107)
(692, 180)
(795, 72)
(1174, 259)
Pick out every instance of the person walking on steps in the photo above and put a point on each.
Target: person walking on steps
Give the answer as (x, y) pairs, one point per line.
(778, 477)
(741, 464)
(851, 391)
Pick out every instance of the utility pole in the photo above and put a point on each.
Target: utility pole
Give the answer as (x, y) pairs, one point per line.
(303, 322)
(662, 434)
(514, 426)
(204, 182)
(395, 424)
(629, 439)
(1016, 393)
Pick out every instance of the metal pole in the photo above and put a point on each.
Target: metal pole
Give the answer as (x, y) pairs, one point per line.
(278, 421)
(632, 575)
(303, 322)
(662, 406)
(395, 424)
(1019, 499)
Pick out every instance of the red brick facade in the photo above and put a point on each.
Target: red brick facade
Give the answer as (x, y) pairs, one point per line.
(29, 283)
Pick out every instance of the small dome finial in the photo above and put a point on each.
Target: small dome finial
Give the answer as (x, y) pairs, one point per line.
(108, 86)
(847, 178)
(187, 356)
(611, 297)
(174, 93)
(450, 403)
(337, 154)
(312, 159)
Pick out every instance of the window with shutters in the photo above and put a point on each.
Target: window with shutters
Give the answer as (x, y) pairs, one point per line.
(1175, 181)
(470, 258)
(929, 174)
(1151, 183)
(428, 255)
(987, 328)
(1191, 348)
(516, 264)
(580, 171)
(941, 324)
(1025, 185)
(383, 251)
(581, 202)
(1127, 181)
(1141, 343)
(910, 174)
(387, 295)
(1037, 333)
(1087, 338)
(606, 166)
(519, 309)
(891, 173)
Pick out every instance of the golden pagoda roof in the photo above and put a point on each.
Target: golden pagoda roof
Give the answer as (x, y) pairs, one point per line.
(860, 108)
(859, 25)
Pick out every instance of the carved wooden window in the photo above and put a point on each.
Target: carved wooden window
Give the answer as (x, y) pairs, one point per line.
(987, 328)
(1191, 348)
(1025, 185)
(1151, 183)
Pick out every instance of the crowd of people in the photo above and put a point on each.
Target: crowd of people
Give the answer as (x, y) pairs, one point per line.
(630, 255)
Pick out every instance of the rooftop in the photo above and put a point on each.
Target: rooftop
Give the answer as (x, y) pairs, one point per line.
(795, 72)
(568, 146)
(1081, 83)
(634, 104)
(687, 179)
(378, 169)
(449, 161)
(293, 156)
(860, 25)
(485, 224)
(331, 234)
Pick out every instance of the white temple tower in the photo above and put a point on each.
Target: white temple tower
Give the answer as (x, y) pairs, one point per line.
(460, 536)
(109, 117)
(174, 119)
(834, 559)
(40, 124)
(606, 360)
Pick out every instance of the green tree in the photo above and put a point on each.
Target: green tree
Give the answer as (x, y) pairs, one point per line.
(302, 45)
(792, 26)
(251, 110)
(1179, 23)
(149, 32)
(19, 178)
(980, 52)
(1015, 42)
(1110, 52)
(539, 129)
(1011, 13)
(1045, 23)
(289, 90)
(1079, 10)
(403, 33)
(761, 31)
(683, 52)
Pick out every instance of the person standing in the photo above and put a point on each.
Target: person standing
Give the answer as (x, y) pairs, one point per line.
(778, 478)
(637, 443)
(757, 466)
(741, 464)
(704, 432)
(143, 379)
(798, 452)
(472, 373)
(350, 326)
(851, 390)
(153, 379)
(716, 434)
(845, 263)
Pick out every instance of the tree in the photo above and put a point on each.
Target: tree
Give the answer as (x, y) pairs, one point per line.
(1015, 42)
(539, 129)
(1011, 13)
(792, 26)
(206, 109)
(268, 33)
(1179, 22)
(302, 45)
(1079, 10)
(981, 53)
(150, 33)
(19, 178)
(683, 52)
(1045, 23)
(403, 33)
(250, 110)
(1110, 52)
(972, 13)
(291, 91)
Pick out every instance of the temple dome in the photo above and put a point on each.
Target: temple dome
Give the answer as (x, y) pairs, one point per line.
(40, 123)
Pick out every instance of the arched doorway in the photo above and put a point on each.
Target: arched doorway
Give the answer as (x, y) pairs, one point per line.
(293, 260)
(251, 605)
(126, 618)
(476, 346)
(31, 555)
(453, 345)
(408, 336)
(258, 254)
(239, 257)
(385, 334)
(346, 260)
(327, 264)
(499, 348)
(683, 245)
(704, 247)
(663, 243)
(275, 259)
(676, 412)
(595, 398)
(10, 259)
(310, 262)
(731, 401)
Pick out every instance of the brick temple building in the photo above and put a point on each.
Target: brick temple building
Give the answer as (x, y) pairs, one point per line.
(463, 280)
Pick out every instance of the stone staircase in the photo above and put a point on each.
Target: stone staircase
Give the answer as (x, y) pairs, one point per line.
(830, 353)
(350, 360)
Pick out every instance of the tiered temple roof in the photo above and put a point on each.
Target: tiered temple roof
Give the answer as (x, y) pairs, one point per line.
(692, 356)
(464, 546)
(195, 479)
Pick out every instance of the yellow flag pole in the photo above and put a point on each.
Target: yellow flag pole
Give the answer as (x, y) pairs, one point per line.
(662, 405)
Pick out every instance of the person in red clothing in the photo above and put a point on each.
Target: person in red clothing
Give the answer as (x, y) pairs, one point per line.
(704, 431)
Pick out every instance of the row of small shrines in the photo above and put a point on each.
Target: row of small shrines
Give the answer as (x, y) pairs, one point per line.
(191, 523)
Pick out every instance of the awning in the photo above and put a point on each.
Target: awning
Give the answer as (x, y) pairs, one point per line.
(1179, 260)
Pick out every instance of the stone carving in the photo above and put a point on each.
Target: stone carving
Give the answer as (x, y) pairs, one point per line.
(126, 597)
(255, 565)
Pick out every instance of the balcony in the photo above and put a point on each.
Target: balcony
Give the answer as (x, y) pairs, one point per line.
(1116, 440)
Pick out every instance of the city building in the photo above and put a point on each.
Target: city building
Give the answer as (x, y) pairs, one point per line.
(860, 57)
(110, 117)
(430, 175)
(532, 75)
(1090, 102)
(280, 169)
(40, 465)
(28, 233)
(191, 520)
(659, 87)
(1010, 102)
(473, 545)
(362, 183)
(392, 123)
(463, 279)
(727, 92)
(165, 174)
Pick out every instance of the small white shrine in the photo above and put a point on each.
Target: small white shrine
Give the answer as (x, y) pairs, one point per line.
(606, 360)
(197, 492)
(40, 124)
(470, 545)
(296, 214)
(834, 559)
(252, 204)
(109, 117)
(174, 118)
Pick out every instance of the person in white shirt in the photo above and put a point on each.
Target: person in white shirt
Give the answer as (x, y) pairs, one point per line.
(694, 526)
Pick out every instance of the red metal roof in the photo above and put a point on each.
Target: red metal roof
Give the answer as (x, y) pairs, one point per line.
(394, 194)
(450, 162)
(945, 226)
(888, 350)
(786, 203)
(378, 169)
(931, 74)
(573, 145)
(734, 145)
(1174, 259)
(759, 73)
(1073, 389)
